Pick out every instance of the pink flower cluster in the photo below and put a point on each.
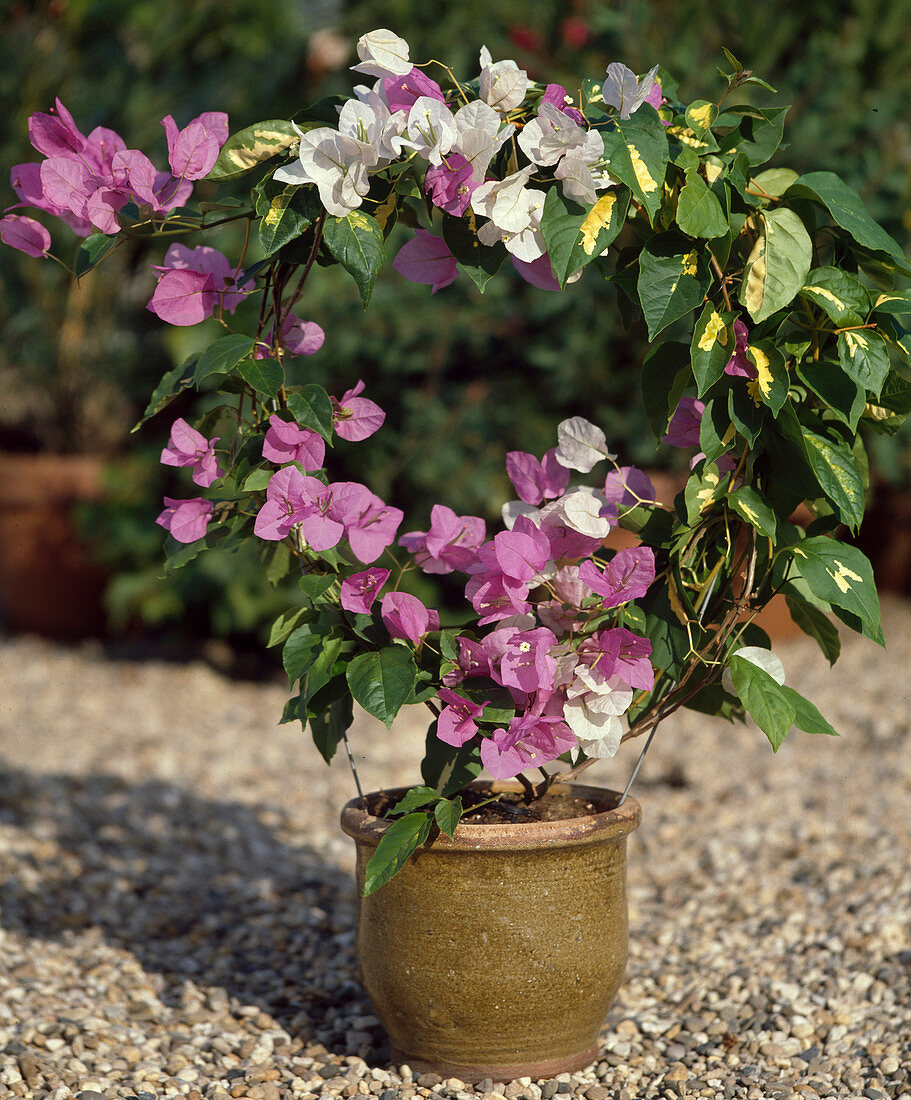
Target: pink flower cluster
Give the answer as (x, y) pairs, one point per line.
(538, 583)
(193, 282)
(86, 181)
(327, 513)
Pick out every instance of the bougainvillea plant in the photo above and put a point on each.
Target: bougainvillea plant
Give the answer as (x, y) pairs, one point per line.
(768, 298)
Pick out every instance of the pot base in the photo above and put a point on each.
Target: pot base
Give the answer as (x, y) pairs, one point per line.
(471, 1075)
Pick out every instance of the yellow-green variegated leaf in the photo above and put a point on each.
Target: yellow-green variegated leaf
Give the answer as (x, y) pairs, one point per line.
(712, 346)
(253, 145)
(576, 235)
(772, 381)
(842, 298)
(701, 115)
(865, 357)
(638, 155)
(841, 576)
(752, 506)
(778, 265)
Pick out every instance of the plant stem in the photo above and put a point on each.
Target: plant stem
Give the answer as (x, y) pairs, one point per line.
(722, 280)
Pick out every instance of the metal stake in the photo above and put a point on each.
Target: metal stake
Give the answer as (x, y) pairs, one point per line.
(353, 766)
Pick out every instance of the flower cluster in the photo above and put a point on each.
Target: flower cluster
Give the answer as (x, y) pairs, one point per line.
(545, 583)
(87, 181)
(405, 113)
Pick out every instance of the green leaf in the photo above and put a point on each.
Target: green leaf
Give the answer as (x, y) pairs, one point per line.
(446, 767)
(286, 210)
(835, 388)
(638, 155)
(323, 668)
(752, 506)
(767, 702)
(92, 251)
(223, 356)
(414, 800)
(356, 241)
(258, 480)
(775, 181)
(778, 266)
(848, 211)
(266, 376)
(284, 625)
(843, 299)
(300, 650)
(757, 135)
(699, 213)
(276, 557)
(865, 358)
(712, 346)
(175, 381)
(893, 406)
(382, 681)
(666, 374)
(311, 408)
(836, 471)
(807, 716)
(841, 576)
(478, 261)
(672, 282)
(315, 585)
(329, 728)
(716, 432)
(815, 623)
(448, 814)
(748, 417)
(179, 554)
(575, 235)
(253, 145)
(898, 304)
(399, 841)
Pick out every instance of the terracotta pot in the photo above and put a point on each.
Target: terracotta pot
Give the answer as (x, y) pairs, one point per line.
(48, 586)
(498, 954)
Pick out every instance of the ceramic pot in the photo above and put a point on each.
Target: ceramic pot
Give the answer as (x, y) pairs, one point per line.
(498, 954)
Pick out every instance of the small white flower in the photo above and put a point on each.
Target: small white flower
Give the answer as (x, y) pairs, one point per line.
(582, 512)
(334, 163)
(580, 180)
(624, 90)
(515, 508)
(502, 85)
(580, 444)
(382, 53)
(599, 734)
(481, 134)
(551, 135)
(762, 658)
(431, 129)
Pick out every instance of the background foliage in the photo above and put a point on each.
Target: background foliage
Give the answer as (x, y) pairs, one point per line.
(464, 378)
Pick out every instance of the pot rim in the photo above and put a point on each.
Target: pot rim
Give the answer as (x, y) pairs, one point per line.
(614, 821)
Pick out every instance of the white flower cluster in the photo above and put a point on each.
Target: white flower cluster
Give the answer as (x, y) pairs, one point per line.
(371, 135)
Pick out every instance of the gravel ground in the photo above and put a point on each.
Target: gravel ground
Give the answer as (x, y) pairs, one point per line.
(176, 904)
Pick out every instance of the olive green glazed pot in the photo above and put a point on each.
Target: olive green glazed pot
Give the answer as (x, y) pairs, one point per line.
(498, 954)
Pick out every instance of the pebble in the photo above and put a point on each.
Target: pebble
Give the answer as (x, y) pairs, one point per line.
(178, 908)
